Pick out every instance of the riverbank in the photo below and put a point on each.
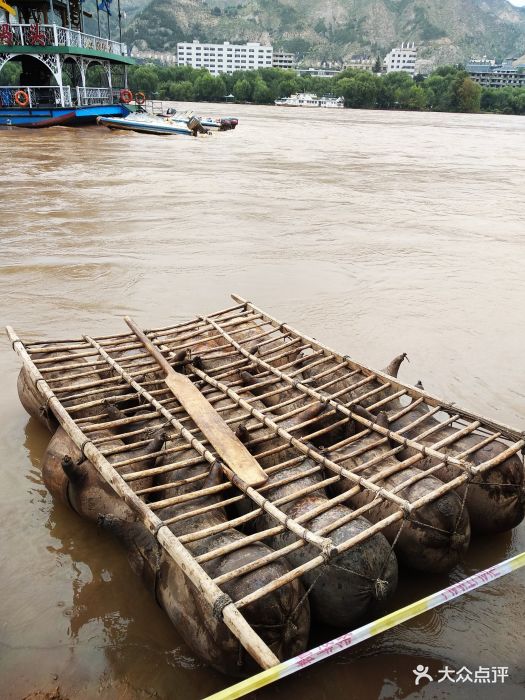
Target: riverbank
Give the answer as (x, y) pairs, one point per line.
(448, 89)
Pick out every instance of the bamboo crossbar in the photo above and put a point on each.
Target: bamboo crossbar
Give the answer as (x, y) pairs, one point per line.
(406, 442)
(411, 391)
(307, 451)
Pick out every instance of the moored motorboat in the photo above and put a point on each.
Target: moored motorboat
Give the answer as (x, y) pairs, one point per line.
(150, 124)
(218, 123)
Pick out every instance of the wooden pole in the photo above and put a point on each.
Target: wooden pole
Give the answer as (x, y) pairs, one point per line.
(119, 22)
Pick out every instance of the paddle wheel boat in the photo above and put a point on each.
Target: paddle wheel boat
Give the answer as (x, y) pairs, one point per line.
(67, 75)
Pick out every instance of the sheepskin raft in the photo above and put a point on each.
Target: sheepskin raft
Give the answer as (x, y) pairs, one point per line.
(360, 471)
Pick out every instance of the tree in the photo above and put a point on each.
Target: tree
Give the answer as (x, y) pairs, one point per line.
(262, 93)
(287, 88)
(378, 65)
(413, 98)
(519, 100)
(209, 88)
(439, 93)
(499, 100)
(144, 79)
(242, 90)
(360, 91)
(10, 73)
(468, 95)
(182, 91)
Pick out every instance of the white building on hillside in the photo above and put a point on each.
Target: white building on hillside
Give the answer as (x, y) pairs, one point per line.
(318, 72)
(281, 59)
(490, 74)
(224, 58)
(402, 58)
(164, 57)
(360, 61)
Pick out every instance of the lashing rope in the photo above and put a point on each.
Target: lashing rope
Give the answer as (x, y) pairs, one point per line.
(219, 604)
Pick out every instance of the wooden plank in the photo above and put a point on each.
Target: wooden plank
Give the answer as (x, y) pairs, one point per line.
(226, 444)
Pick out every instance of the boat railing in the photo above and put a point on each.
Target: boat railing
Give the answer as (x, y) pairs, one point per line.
(53, 35)
(38, 95)
(86, 96)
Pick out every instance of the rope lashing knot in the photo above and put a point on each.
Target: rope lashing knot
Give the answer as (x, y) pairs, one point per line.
(383, 493)
(380, 589)
(328, 552)
(83, 456)
(45, 410)
(219, 604)
(157, 528)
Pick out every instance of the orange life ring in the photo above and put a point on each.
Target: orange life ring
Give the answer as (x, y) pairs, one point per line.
(140, 98)
(21, 98)
(126, 96)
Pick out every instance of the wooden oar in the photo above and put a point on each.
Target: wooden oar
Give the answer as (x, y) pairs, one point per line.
(229, 448)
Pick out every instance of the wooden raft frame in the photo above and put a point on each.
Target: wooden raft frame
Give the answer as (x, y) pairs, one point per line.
(235, 330)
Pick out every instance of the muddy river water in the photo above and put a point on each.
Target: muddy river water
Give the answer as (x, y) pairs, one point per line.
(375, 232)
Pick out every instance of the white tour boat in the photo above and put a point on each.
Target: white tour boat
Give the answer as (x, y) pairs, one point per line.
(305, 99)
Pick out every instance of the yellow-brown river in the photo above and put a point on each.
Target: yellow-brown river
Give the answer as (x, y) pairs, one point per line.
(375, 232)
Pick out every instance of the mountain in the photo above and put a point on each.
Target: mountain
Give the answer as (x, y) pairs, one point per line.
(333, 30)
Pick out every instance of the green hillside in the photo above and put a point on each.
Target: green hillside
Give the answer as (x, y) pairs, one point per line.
(447, 30)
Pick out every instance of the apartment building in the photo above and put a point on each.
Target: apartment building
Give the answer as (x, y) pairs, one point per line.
(402, 58)
(281, 59)
(224, 58)
(488, 73)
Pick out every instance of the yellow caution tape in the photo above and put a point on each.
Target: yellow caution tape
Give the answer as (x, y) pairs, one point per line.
(370, 630)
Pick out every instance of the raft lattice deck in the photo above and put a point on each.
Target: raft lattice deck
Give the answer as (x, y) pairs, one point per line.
(119, 366)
